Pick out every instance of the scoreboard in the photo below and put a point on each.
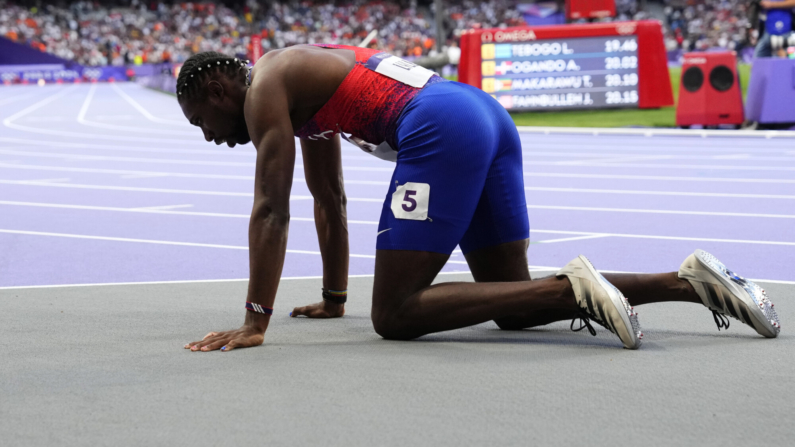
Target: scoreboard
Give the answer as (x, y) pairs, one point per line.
(569, 67)
(584, 72)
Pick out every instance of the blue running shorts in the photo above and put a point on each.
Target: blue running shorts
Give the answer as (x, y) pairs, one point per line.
(458, 179)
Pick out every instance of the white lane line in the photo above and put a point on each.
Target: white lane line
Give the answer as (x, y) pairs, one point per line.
(127, 159)
(166, 160)
(157, 149)
(131, 188)
(535, 152)
(705, 167)
(378, 200)
(159, 242)
(161, 190)
(379, 169)
(46, 181)
(667, 238)
(81, 118)
(9, 122)
(199, 281)
(13, 98)
(114, 118)
(84, 108)
(150, 175)
(745, 157)
(142, 283)
(648, 211)
(650, 132)
(619, 159)
(164, 207)
(171, 212)
(658, 177)
(640, 146)
(291, 278)
(109, 147)
(144, 174)
(365, 222)
(568, 239)
(659, 193)
(43, 119)
(145, 112)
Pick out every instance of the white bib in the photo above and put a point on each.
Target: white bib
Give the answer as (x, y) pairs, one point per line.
(410, 201)
(399, 69)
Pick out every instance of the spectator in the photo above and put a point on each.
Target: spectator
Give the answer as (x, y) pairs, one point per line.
(700, 25)
(777, 16)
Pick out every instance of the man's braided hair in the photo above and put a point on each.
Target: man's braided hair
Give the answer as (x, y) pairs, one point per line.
(200, 67)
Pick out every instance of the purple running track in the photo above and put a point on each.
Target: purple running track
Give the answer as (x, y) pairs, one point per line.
(110, 184)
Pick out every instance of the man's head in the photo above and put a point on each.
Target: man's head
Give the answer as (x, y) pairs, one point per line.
(211, 89)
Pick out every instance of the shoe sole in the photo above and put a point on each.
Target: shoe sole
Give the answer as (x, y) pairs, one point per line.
(759, 309)
(629, 318)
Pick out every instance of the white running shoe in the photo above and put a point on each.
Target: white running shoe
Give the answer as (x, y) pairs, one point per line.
(727, 294)
(602, 302)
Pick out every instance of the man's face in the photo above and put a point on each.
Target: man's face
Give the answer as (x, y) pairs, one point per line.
(219, 120)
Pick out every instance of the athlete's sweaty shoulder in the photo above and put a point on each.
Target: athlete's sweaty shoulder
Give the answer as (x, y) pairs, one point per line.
(307, 75)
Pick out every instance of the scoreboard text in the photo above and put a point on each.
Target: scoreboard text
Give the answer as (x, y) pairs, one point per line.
(569, 67)
(584, 72)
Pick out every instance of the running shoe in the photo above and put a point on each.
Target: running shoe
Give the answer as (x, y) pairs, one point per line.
(602, 302)
(727, 294)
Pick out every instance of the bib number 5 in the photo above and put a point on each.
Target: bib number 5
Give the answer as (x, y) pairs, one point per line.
(410, 201)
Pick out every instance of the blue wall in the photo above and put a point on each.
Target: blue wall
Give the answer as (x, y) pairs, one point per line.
(12, 53)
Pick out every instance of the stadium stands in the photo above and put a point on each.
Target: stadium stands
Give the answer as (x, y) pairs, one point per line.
(699, 26)
(135, 32)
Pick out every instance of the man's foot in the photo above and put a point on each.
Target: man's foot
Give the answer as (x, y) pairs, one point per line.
(602, 302)
(727, 294)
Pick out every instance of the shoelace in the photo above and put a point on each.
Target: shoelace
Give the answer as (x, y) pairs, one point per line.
(722, 321)
(584, 323)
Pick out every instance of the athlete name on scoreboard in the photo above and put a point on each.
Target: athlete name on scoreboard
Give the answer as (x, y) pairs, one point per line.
(588, 72)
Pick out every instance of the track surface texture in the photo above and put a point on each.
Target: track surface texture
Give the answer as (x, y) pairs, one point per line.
(108, 184)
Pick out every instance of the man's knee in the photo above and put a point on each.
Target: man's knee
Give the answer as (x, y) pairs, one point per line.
(388, 325)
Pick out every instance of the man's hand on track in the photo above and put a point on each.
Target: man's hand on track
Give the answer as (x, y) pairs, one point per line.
(323, 309)
(244, 337)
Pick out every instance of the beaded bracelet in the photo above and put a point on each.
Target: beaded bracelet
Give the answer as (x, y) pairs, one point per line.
(335, 296)
(254, 307)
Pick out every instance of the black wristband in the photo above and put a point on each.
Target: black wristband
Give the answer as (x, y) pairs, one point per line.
(334, 296)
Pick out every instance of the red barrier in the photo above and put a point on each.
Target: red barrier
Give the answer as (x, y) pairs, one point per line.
(709, 91)
(578, 9)
(642, 41)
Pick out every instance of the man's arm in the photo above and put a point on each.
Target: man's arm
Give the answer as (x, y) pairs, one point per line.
(786, 4)
(267, 111)
(323, 170)
(270, 215)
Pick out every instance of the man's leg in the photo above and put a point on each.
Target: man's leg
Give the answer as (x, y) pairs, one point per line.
(508, 262)
(763, 47)
(406, 306)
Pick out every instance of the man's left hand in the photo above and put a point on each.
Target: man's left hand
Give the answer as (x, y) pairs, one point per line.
(323, 309)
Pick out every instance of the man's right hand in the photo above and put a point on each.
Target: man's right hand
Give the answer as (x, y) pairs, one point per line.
(323, 309)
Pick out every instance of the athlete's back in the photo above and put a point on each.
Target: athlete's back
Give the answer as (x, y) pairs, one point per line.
(368, 102)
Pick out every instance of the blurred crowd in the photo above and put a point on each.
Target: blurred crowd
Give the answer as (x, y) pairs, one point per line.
(137, 32)
(699, 25)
